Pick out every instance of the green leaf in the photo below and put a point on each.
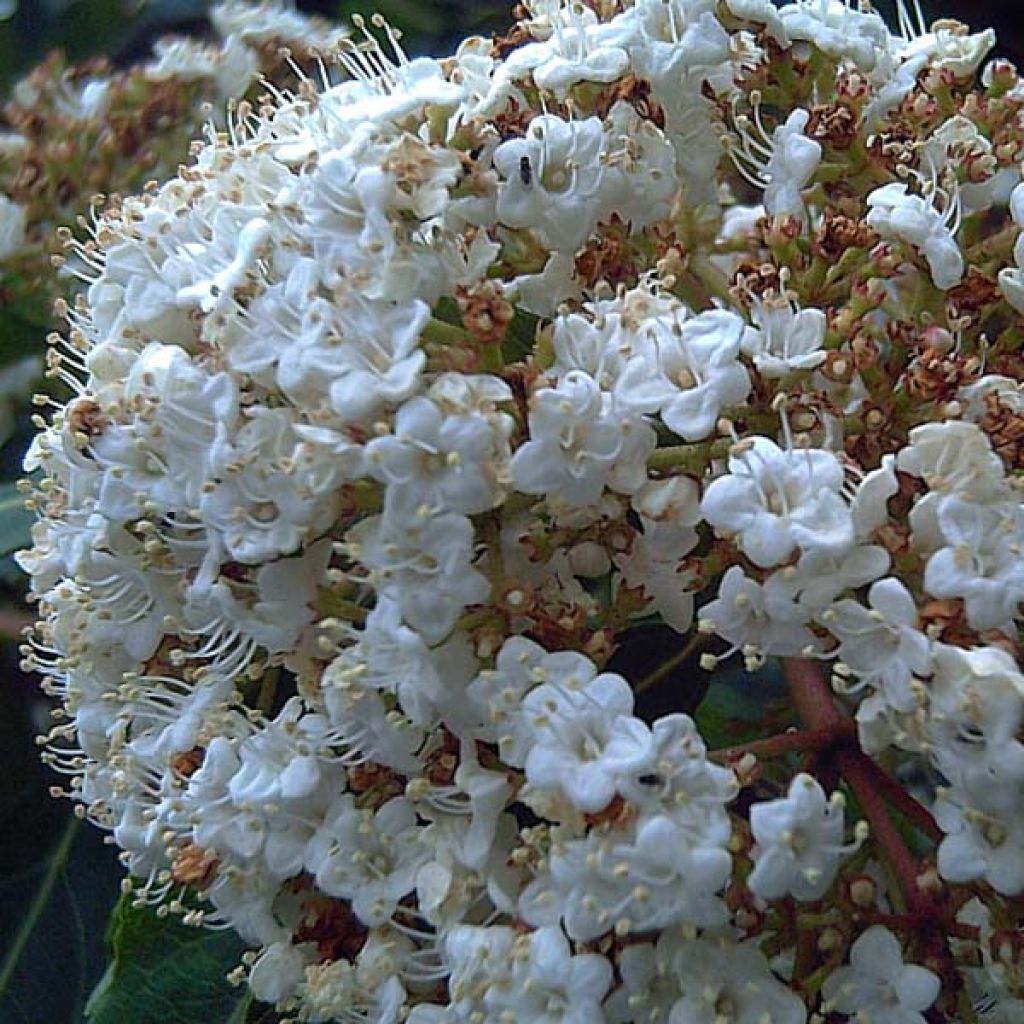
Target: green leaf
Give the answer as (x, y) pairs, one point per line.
(520, 338)
(58, 881)
(738, 703)
(22, 333)
(163, 972)
(15, 520)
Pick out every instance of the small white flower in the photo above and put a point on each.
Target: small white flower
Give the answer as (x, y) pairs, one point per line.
(759, 619)
(652, 876)
(552, 180)
(578, 445)
(422, 562)
(982, 841)
(793, 162)
(574, 52)
(950, 47)
(799, 842)
(578, 738)
(878, 985)
(896, 212)
(982, 561)
(779, 499)
(787, 339)
(882, 643)
(370, 858)
(12, 228)
(452, 462)
(718, 974)
(954, 457)
(279, 969)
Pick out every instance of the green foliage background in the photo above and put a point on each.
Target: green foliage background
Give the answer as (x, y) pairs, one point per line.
(70, 951)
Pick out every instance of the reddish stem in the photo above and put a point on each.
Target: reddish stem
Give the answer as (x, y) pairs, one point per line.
(797, 740)
(813, 697)
(851, 764)
(819, 710)
(909, 922)
(901, 799)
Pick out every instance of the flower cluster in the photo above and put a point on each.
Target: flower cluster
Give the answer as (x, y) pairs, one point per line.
(414, 401)
(70, 132)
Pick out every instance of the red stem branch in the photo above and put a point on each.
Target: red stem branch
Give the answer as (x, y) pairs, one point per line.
(819, 710)
(797, 740)
(901, 799)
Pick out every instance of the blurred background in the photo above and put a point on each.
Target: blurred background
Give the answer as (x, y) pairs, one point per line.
(58, 881)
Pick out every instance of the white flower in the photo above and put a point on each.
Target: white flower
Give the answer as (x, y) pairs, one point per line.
(779, 499)
(878, 985)
(759, 619)
(954, 457)
(949, 46)
(370, 858)
(521, 666)
(654, 875)
(791, 166)
(787, 339)
(799, 842)
(498, 976)
(676, 778)
(1011, 279)
(701, 359)
(644, 349)
(982, 561)
(279, 969)
(720, 976)
(391, 657)
(422, 561)
(552, 180)
(275, 21)
(452, 462)
(578, 737)
(578, 445)
(268, 493)
(840, 30)
(12, 228)
(976, 702)
(574, 52)
(982, 842)
(882, 643)
(896, 212)
(641, 181)
(334, 991)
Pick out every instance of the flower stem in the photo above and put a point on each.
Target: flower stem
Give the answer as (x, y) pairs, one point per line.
(819, 711)
(668, 666)
(794, 741)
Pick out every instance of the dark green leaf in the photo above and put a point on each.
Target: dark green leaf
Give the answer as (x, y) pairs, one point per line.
(162, 972)
(738, 703)
(521, 337)
(58, 881)
(15, 520)
(20, 335)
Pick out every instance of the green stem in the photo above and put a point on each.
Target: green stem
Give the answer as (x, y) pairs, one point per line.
(31, 918)
(713, 280)
(692, 457)
(666, 668)
(268, 690)
(333, 605)
(443, 333)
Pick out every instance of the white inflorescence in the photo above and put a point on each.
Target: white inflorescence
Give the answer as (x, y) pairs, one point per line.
(411, 397)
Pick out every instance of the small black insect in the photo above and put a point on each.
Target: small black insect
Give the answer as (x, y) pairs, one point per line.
(650, 780)
(525, 170)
